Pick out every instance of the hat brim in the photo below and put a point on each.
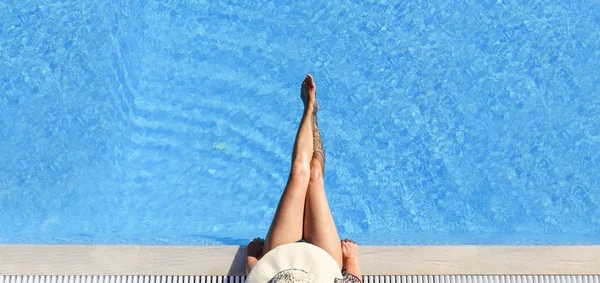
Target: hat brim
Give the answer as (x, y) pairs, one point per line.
(303, 256)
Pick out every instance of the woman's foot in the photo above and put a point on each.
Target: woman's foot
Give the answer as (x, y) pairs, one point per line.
(254, 253)
(308, 93)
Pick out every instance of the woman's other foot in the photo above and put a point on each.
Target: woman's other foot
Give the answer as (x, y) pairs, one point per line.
(308, 93)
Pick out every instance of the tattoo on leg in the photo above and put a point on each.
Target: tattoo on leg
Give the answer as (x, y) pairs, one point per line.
(318, 153)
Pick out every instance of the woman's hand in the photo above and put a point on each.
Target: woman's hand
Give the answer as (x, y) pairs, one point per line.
(255, 247)
(349, 249)
(350, 257)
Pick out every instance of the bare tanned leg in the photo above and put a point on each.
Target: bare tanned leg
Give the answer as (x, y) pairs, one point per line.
(287, 224)
(319, 227)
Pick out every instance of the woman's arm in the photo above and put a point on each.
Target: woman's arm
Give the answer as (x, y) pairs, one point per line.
(250, 263)
(353, 268)
(253, 253)
(350, 256)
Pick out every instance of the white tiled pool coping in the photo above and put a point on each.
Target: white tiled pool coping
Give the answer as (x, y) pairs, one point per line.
(229, 260)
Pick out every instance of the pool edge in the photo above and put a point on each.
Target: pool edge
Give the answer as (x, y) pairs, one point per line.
(229, 260)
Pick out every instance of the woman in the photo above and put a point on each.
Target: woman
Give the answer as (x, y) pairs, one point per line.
(303, 244)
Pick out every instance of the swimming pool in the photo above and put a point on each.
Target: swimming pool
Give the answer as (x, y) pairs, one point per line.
(171, 122)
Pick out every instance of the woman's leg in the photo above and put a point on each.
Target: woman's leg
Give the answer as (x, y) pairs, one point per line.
(287, 224)
(319, 227)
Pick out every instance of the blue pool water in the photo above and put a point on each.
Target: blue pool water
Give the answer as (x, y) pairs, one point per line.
(172, 122)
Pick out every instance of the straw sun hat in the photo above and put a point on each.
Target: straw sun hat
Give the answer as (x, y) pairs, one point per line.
(297, 262)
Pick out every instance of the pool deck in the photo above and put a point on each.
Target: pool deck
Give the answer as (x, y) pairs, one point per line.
(229, 260)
